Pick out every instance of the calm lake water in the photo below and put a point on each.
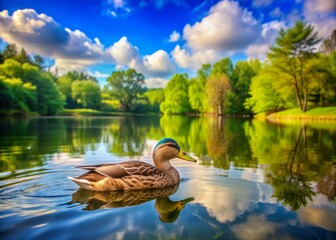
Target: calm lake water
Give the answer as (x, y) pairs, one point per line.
(253, 179)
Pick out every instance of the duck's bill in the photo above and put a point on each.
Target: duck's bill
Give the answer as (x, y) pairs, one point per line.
(184, 156)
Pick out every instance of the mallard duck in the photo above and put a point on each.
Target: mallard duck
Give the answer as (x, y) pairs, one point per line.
(136, 175)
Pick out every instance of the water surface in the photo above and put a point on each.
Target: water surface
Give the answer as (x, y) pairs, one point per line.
(253, 179)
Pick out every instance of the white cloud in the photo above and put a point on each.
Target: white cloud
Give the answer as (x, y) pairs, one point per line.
(226, 27)
(124, 52)
(73, 50)
(98, 74)
(321, 14)
(193, 59)
(158, 64)
(267, 37)
(320, 6)
(174, 37)
(156, 82)
(40, 34)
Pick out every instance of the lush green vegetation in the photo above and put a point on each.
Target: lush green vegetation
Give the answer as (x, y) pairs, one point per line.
(295, 74)
(326, 113)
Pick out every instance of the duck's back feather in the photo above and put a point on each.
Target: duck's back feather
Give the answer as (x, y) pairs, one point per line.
(122, 169)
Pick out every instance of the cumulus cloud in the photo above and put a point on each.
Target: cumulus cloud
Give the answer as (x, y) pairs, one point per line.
(124, 52)
(321, 13)
(98, 74)
(174, 37)
(72, 49)
(25, 26)
(186, 58)
(156, 82)
(227, 27)
(267, 37)
(157, 64)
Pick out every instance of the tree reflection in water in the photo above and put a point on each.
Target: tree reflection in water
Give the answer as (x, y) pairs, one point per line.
(290, 181)
(167, 209)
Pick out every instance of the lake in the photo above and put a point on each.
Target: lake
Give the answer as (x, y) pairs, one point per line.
(253, 179)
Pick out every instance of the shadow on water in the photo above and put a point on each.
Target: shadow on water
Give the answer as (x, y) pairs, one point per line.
(167, 209)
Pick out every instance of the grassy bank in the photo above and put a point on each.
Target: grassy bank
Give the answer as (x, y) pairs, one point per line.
(90, 112)
(320, 113)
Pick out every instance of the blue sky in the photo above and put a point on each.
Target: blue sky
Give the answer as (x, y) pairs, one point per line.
(156, 37)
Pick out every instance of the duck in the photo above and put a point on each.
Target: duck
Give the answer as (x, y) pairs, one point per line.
(135, 175)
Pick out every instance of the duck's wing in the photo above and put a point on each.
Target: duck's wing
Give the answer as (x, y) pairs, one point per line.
(122, 169)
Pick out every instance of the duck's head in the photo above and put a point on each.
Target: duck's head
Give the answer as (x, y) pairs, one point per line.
(167, 149)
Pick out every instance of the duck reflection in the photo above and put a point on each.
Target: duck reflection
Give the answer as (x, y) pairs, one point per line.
(167, 209)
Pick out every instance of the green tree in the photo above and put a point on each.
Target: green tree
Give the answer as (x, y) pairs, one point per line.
(176, 95)
(87, 93)
(23, 57)
(293, 49)
(268, 95)
(16, 95)
(126, 86)
(65, 81)
(217, 87)
(155, 98)
(223, 66)
(10, 51)
(48, 97)
(196, 89)
(242, 74)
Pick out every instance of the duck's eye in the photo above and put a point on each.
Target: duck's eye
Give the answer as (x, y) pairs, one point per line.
(171, 145)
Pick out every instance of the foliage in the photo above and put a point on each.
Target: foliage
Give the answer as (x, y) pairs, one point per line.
(242, 74)
(86, 93)
(126, 86)
(196, 90)
(65, 85)
(49, 100)
(155, 97)
(17, 95)
(216, 88)
(293, 49)
(269, 94)
(11, 52)
(176, 95)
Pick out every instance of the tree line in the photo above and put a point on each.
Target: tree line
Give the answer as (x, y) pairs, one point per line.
(300, 71)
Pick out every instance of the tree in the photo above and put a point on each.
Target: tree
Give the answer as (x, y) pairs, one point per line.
(217, 86)
(293, 49)
(126, 86)
(9, 52)
(196, 89)
(49, 100)
(86, 93)
(329, 44)
(223, 66)
(155, 97)
(267, 95)
(176, 95)
(16, 95)
(242, 74)
(65, 81)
